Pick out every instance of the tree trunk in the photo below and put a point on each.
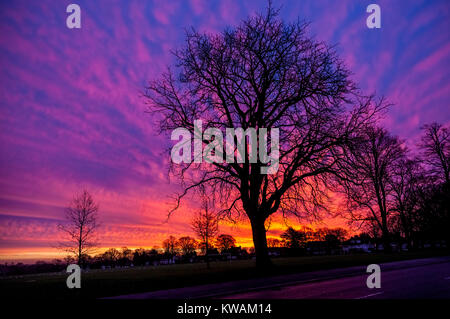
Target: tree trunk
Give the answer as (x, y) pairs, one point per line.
(386, 241)
(385, 232)
(79, 245)
(260, 243)
(207, 255)
(406, 231)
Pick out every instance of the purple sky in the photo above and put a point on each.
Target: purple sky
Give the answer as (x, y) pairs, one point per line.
(72, 116)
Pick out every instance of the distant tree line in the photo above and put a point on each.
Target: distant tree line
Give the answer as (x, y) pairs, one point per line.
(183, 249)
(292, 238)
(393, 192)
(187, 246)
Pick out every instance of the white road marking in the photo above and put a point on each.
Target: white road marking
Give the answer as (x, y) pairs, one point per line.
(371, 295)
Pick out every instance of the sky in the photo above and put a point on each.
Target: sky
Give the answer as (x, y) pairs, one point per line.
(72, 113)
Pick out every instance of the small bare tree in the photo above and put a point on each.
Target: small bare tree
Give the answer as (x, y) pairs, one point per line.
(205, 225)
(225, 242)
(187, 245)
(170, 245)
(436, 150)
(81, 224)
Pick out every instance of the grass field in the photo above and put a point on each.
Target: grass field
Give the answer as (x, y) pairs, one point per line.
(103, 283)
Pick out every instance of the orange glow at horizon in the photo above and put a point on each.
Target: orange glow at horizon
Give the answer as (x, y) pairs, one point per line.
(147, 237)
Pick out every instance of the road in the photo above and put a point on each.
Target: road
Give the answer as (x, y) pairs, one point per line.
(419, 278)
(426, 281)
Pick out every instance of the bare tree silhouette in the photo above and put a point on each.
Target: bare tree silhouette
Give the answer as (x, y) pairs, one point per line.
(407, 183)
(436, 150)
(187, 245)
(433, 211)
(369, 168)
(170, 245)
(111, 256)
(81, 224)
(205, 225)
(263, 74)
(225, 242)
(294, 238)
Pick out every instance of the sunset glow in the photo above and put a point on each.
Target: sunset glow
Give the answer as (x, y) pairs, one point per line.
(72, 113)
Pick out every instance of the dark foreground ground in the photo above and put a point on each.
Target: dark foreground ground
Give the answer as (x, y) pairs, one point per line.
(340, 284)
(426, 281)
(410, 279)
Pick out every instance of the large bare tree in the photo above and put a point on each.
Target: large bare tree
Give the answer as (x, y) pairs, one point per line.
(264, 73)
(80, 226)
(436, 150)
